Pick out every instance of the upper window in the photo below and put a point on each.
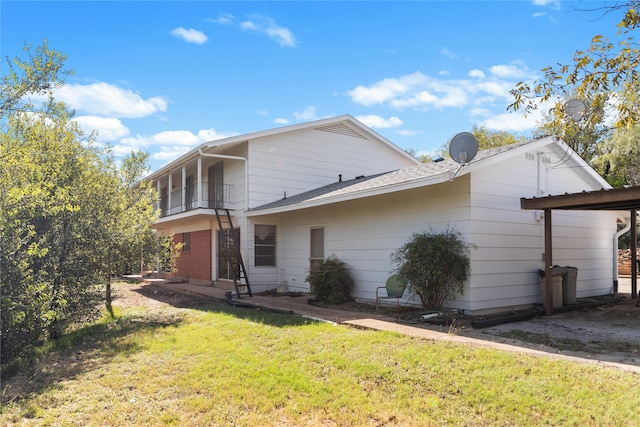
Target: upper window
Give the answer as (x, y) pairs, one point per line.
(265, 245)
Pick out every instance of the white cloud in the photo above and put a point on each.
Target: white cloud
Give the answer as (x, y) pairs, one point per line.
(169, 153)
(479, 111)
(190, 35)
(494, 88)
(553, 4)
(308, 114)
(109, 129)
(281, 121)
(512, 122)
(377, 122)
(170, 137)
(223, 19)
(212, 135)
(448, 53)
(420, 91)
(169, 145)
(386, 89)
(509, 72)
(104, 99)
(407, 132)
(265, 25)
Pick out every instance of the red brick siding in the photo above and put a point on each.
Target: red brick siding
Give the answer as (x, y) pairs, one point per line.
(196, 263)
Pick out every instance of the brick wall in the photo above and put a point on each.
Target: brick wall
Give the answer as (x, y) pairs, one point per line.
(195, 263)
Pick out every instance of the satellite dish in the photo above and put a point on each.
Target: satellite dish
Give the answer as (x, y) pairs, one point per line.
(575, 109)
(463, 147)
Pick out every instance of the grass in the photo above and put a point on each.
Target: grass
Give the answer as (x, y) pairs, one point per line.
(216, 365)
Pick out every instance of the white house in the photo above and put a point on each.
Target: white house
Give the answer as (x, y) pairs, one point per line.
(334, 187)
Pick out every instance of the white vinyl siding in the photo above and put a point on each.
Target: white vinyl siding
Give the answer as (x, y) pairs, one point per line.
(300, 161)
(511, 241)
(363, 233)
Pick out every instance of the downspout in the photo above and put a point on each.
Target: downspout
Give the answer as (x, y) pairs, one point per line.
(616, 236)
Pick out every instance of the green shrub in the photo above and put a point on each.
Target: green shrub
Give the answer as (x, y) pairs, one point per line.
(330, 281)
(435, 265)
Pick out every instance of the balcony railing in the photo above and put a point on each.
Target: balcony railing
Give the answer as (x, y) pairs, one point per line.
(218, 197)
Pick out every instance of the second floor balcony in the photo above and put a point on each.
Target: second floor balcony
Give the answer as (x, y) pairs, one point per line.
(187, 198)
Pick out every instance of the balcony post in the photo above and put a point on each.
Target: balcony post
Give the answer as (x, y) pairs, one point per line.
(183, 207)
(169, 191)
(199, 194)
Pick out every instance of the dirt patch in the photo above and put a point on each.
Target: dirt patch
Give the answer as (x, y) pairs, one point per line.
(608, 333)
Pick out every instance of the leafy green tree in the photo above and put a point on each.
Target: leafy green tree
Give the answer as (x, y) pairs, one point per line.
(39, 74)
(619, 162)
(490, 139)
(584, 137)
(423, 157)
(435, 265)
(486, 139)
(605, 74)
(71, 217)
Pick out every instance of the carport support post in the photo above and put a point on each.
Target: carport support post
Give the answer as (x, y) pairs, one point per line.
(634, 255)
(548, 263)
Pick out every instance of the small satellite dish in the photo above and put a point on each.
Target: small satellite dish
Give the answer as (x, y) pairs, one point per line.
(463, 147)
(576, 109)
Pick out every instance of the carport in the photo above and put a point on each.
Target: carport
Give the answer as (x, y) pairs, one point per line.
(618, 199)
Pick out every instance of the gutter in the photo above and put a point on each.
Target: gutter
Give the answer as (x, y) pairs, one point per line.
(617, 236)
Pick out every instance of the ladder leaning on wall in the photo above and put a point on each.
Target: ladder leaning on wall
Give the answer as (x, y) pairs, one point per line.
(239, 271)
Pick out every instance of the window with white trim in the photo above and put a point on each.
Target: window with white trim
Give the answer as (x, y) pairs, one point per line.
(265, 245)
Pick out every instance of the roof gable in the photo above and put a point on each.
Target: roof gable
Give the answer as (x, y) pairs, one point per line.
(343, 125)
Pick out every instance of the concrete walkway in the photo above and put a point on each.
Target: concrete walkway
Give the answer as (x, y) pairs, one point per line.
(298, 305)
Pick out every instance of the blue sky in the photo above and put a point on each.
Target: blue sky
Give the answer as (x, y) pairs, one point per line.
(165, 76)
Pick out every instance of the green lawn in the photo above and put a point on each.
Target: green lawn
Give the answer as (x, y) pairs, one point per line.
(216, 365)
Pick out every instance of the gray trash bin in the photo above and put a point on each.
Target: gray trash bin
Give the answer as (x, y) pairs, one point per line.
(556, 283)
(569, 286)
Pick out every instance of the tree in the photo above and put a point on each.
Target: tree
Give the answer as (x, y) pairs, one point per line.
(39, 74)
(435, 265)
(423, 157)
(584, 137)
(491, 139)
(47, 237)
(603, 75)
(487, 139)
(71, 217)
(618, 163)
